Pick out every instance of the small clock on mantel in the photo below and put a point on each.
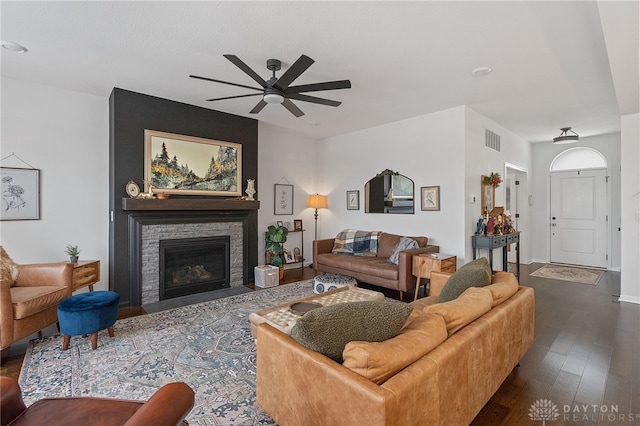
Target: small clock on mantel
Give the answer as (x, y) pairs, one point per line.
(132, 188)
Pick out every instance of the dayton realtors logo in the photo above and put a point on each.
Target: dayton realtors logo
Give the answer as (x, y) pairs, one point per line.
(545, 410)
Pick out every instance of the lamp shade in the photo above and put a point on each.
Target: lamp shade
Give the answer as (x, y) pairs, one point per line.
(318, 201)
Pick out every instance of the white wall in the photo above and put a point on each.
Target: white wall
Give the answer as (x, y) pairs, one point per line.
(428, 149)
(630, 209)
(543, 155)
(286, 158)
(65, 134)
(480, 160)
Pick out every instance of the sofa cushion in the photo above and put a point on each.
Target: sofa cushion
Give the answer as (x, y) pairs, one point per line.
(387, 243)
(378, 361)
(8, 268)
(328, 329)
(358, 243)
(28, 301)
(470, 305)
(405, 243)
(476, 273)
(503, 286)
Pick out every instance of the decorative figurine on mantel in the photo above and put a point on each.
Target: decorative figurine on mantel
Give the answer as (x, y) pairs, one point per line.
(149, 194)
(251, 190)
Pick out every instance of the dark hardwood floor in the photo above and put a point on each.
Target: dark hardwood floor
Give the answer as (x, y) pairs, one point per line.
(585, 357)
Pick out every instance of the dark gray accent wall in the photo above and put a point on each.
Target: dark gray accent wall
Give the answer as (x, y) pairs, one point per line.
(130, 113)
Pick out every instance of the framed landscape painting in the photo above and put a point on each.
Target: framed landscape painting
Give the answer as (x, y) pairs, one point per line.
(178, 164)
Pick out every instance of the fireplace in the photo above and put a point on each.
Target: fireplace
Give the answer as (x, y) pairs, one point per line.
(193, 265)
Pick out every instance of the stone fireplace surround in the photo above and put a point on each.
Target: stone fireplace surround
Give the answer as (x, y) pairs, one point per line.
(149, 221)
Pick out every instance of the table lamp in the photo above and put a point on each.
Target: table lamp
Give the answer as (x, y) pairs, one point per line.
(317, 201)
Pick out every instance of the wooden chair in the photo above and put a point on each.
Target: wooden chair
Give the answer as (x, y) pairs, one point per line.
(167, 407)
(29, 301)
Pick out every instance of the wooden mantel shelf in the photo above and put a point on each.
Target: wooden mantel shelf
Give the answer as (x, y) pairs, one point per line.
(188, 204)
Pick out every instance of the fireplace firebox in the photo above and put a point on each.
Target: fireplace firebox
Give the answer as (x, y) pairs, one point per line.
(193, 265)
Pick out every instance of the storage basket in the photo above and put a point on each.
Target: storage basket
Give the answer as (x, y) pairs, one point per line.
(266, 276)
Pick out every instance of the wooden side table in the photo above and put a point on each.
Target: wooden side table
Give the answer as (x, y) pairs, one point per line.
(423, 264)
(85, 273)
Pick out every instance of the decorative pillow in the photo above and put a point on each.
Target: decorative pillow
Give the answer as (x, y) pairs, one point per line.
(328, 329)
(358, 243)
(8, 268)
(405, 243)
(471, 304)
(378, 361)
(476, 273)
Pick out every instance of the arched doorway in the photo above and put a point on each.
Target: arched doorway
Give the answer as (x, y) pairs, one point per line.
(578, 207)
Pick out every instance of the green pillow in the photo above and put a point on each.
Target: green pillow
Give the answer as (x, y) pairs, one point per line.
(328, 329)
(476, 273)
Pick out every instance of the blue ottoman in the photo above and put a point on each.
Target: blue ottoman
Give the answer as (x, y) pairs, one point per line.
(88, 313)
(326, 282)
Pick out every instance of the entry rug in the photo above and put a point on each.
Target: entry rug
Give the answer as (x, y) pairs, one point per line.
(569, 273)
(208, 346)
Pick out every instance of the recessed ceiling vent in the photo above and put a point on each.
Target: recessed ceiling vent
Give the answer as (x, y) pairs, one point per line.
(491, 140)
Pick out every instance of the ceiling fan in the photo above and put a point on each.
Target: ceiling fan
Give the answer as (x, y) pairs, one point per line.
(278, 90)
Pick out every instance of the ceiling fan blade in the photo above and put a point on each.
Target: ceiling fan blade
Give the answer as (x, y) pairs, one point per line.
(313, 99)
(244, 67)
(315, 87)
(256, 109)
(225, 82)
(293, 72)
(233, 97)
(293, 109)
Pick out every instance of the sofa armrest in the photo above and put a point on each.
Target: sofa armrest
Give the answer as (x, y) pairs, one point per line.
(406, 280)
(168, 406)
(10, 400)
(321, 247)
(437, 281)
(45, 274)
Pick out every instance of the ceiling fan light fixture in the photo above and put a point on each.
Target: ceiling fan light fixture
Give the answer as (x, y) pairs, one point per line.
(565, 137)
(273, 98)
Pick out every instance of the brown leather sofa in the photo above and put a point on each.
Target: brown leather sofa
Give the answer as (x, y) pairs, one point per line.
(448, 385)
(373, 270)
(30, 303)
(167, 407)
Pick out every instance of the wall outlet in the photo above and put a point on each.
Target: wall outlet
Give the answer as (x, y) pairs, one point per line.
(472, 199)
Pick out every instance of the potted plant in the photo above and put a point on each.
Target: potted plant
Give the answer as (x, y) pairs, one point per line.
(274, 241)
(73, 252)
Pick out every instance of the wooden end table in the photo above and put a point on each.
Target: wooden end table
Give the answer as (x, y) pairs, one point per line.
(424, 264)
(85, 273)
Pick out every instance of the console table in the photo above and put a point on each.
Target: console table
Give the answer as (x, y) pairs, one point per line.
(491, 242)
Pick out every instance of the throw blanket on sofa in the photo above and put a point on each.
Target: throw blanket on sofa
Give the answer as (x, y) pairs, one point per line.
(358, 243)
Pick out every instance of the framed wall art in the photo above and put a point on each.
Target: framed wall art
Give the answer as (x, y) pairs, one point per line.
(178, 164)
(297, 224)
(353, 200)
(282, 199)
(430, 198)
(488, 196)
(20, 194)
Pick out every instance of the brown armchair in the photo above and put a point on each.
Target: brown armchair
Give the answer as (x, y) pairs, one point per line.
(167, 407)
(29, 302)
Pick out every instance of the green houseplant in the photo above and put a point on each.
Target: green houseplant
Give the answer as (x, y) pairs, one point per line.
(73, 252)
(274, 241)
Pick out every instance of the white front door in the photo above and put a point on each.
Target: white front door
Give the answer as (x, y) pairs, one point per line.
(579, 217)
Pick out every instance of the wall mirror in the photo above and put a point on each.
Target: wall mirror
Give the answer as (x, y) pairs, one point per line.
(389, 192)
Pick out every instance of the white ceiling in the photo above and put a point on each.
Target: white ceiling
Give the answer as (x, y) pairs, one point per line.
(552, 61)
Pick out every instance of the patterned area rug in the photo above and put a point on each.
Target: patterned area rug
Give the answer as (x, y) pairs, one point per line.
(569, 273)
(208, 345)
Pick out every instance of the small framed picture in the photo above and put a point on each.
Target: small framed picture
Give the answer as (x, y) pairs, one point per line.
(279, 224)
(353, 200)
(288, 225)
(20, 194)
(430, 197)
(289, 257)
(297, 224)
(283, 199)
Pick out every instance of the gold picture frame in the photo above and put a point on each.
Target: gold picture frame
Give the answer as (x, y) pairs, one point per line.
(488, 196)
(179, 164)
